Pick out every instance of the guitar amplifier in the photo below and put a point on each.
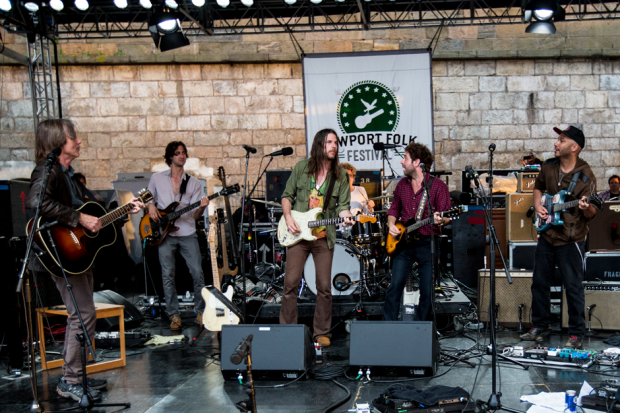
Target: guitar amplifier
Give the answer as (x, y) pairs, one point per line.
(525, 181)
(602, 267)
(605, 295)
(519, 227)
(521, 255)
(275, 183)
(509, 297)
(14, 211)
(604, 231)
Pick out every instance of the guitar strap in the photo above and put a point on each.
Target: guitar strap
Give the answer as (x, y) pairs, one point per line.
(183, 187)
(420, 212)
(573, 182)
(328, 194)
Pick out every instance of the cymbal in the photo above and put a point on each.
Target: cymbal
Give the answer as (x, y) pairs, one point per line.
(381, 197)
(392, 178)
(275, 204)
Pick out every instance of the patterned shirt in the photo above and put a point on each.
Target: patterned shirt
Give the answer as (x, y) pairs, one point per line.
(606, 195)
(406, 202)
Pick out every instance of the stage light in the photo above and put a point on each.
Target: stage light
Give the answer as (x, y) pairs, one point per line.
(315, 1)
(543, 11)
(247, 3)
(166, 31)
(81, 4)
(57, 5)
(290, 2)
(121, 4)
(223, 3)
(146, 4)
(31, 6)
(172, 4)
(198, 3)
(339, 1)
(5, 5)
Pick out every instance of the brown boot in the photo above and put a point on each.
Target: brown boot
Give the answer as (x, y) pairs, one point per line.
(175, 322)
(199, 319)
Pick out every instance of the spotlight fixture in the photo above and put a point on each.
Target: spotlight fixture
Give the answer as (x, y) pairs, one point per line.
(198, 3)
(5, 5)
(315, 1)
(81, 4)
(543, 11)
(166, 30)
(223, 3)
(146, 4)
(172, 4)
(31, 6)
(57, 5)
(121, 4)
(290, 2)
(247, 3)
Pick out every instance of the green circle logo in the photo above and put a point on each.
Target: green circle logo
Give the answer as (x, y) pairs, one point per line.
(368, 106)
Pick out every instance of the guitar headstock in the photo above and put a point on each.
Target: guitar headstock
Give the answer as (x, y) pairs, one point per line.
(145, 196)
(454, 212)
(364, 218)
(221, 174)
(597, 201)
(233, 189)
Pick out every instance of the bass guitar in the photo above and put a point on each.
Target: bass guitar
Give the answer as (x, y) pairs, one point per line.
(309, 220)
(395, 245)
(556, 204)
(78, 247)
(154, 233)
(219, 309)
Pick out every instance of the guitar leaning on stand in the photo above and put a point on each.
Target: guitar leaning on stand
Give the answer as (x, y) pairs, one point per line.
(154, 233)
(78, 246)
(219, 309)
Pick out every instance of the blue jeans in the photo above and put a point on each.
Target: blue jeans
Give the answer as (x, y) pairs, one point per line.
(420, 251)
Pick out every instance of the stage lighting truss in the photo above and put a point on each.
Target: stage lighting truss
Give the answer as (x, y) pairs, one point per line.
(225, 17)
(543, 12)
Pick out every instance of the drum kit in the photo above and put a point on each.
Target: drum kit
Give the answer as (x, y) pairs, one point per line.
(360, 264)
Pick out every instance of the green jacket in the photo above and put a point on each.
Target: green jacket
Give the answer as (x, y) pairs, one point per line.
(299, 186)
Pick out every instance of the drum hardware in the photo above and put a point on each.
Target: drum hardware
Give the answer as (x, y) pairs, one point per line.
(271, 203)
(378, 198)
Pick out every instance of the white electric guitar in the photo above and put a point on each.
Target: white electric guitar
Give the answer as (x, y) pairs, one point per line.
(219, 309)
(307, 221)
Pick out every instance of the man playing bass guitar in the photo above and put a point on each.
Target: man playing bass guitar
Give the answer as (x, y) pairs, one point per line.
(562, 245)
(408, 196)
(63, 195)
(315, 181)
(167, 187)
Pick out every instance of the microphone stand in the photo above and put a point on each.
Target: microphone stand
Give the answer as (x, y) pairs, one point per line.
(429, 207)
(241, 240)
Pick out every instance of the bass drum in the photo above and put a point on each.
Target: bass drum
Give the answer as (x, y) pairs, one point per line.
(345, 270)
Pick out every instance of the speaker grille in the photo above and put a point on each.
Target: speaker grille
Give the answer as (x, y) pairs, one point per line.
(605, 316)
(508, 296)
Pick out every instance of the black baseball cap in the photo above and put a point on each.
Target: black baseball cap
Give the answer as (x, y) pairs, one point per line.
(574, 133)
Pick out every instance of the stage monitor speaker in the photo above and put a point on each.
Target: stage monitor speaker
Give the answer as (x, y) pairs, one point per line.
(519, 226)
(602, 266)
(279, 352)
(275, 183)
(133, 316)
(509, 297)
(14, 210)
(605, 316)
(468, 246)
(378, 345)
(603, 236)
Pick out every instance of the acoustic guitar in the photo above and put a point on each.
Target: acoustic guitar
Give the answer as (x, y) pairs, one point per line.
(155, 232)
(78, 247)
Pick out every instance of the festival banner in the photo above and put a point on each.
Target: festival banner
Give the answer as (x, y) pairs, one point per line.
(367, 98)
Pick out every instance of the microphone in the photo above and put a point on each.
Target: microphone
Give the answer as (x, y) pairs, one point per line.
(53, 155)
(530, 212)
(471, 172)
(592, 307)
(521, 305)
(492, 147)
(249, 149)
(380, 146)
(242, 349)
(284, 152)
(422, 167)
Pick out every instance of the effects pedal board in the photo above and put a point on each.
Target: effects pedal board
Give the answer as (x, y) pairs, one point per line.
(112, 339)
(444, 406)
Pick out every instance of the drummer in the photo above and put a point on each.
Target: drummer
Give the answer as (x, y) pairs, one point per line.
(359, 197)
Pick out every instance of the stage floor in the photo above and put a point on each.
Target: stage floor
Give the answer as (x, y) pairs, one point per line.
(179, 378)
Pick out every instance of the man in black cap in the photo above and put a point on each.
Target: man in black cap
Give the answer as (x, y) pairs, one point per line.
(562, 245)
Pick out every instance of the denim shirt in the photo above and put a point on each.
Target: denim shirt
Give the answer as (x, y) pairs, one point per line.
(298, 189)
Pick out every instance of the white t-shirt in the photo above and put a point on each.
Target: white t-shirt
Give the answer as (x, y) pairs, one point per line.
(359, 200)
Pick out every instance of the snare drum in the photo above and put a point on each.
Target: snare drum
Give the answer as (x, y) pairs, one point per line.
(366, 233)
(345, 269)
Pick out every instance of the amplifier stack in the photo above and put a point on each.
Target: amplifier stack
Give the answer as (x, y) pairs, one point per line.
(521, 235)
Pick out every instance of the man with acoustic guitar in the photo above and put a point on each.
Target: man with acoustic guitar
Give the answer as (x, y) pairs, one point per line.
(313, 182)
(410, 201)
(62, 196)
(562, 245)
(174, 185)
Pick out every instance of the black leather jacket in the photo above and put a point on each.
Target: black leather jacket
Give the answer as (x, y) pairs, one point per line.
(57, 204)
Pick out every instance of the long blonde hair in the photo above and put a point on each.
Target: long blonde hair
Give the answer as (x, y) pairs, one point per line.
(52, 133)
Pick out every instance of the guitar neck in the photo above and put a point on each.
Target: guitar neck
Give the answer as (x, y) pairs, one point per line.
(567, 205)
(424, 222)
(188, 208)
(110, 217)
(213, 249)
(325, 222)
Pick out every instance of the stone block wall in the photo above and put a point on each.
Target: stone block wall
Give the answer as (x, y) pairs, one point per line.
(125, 115)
